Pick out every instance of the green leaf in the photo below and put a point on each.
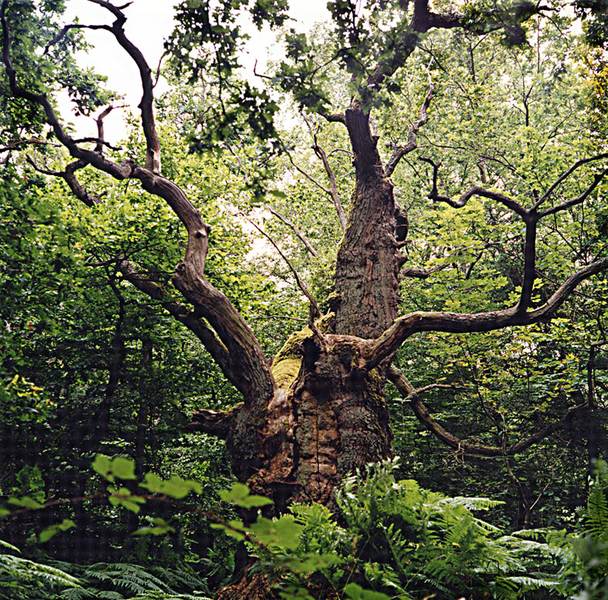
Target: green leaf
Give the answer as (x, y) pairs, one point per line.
(295, 593)
(123, 497)
(102, 465)
(153, 483)
(52, 530)
(25, 502)
(356, 592)
(311, 562)
(232, 528)
(123, 468)
(160, 527)
(284, 532)
(239, 495)
(176, 487)
(4, 544)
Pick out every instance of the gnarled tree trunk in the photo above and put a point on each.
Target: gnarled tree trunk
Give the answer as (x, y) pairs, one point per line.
(327, 415)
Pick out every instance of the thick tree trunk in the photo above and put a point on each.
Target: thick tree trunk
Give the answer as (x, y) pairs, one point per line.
(326, 418)
(327, 415)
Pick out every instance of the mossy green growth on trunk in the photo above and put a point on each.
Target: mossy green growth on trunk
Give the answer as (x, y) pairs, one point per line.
(288, 360)
(286, 371)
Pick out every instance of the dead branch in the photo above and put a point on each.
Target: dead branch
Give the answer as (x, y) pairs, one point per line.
(412, 395)
(333, 185)
(400, 151)
(295, 229)
(316, 311)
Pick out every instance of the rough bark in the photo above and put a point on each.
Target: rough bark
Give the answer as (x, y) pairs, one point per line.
(320, 413)
(367, 267)
(327, 415)
(326, 418)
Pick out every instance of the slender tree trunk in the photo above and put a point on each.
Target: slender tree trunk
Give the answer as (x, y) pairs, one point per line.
(143, 413)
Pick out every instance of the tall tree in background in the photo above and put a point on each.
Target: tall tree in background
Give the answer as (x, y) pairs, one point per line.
(317, 411)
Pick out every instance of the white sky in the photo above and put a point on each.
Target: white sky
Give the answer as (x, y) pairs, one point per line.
(149, 23)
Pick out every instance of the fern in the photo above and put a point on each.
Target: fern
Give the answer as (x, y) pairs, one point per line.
(596, 515)
(22, 579)
(126, 577)
(405, 541)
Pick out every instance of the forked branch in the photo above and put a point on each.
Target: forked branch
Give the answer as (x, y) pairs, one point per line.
(400, 151)
(69, 176)
(146, 104)
(229, 339)
(213, 422)
(472, 191)
(386, 345)
(412, 396)
(577, 165)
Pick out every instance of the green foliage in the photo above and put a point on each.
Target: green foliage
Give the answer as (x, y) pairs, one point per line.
(22, 579)
(512, 115)
(389, 539)
(111, 469)
(398, 540)
(52, 530)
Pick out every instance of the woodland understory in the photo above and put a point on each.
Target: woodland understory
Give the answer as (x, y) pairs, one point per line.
(297, 328)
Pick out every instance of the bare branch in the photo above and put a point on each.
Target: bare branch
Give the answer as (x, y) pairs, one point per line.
(400, 151)
(527, 286)
(242, 347)
(17, 144)
(158, 66)
(579, 199)
(303, 172)
(424, 19)
(412, 395)
(332, 117)
(295, 229)
(333, 190)
(565, 175)
(66, 28)
(416, 273)
(99, 120)
(146, 104)
(99, 142)
(115, 10)
(316, 311)
(69, 176)
(213, 422)
(147, 284)
(384, 346)
(472, 191)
